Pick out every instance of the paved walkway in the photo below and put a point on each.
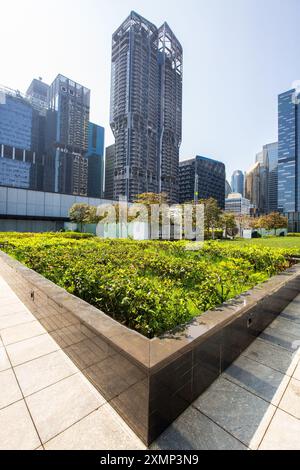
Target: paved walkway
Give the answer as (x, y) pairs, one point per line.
(46, 402)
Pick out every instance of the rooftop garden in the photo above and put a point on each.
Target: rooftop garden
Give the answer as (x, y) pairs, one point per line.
(151, 286)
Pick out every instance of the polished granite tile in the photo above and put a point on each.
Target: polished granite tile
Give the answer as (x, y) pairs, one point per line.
(259, 379)
(194, 431)
(236, 410)
(271, 355)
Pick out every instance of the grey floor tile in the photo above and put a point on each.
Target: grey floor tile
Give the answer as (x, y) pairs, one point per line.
(13, 319)
(238, 411)
(20, 332)
(9, 389)
(32, 348)
(291, 399)
(17, 431)
(272, 355)
(59, 406)
(194, 431)
(283, 433)
(44, 371)
(283, 325)
(4, 361)
(101, 430)
(277, 337)
(265, 382)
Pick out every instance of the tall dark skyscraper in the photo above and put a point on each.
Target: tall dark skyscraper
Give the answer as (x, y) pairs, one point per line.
(109, 172)
(202, 178)
(146, 108)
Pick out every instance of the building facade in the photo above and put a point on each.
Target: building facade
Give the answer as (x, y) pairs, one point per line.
(146, 108)
(67, 136)
(236, 204)
(271, 152)
(288, 152)
(109, 172)
(95, 158)
(237, 182)
(202, 178)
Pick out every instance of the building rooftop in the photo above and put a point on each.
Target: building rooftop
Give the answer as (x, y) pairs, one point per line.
(46, 402)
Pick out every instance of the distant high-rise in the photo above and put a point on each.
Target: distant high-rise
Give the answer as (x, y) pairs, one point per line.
(95, 157)
(202, 178)
(146, 108)
(67, 135)
(37, 94)
(109, 172)
(236, 204)
(271, 152)
(289, 152)
(237, 182)
(228, 189)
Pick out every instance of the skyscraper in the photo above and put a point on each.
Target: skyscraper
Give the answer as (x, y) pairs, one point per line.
(271, 152)
(109, 172)
(95, 157)
(67, 135)
(146, 108)
(237, 182)
(288, 152)
(202, 178)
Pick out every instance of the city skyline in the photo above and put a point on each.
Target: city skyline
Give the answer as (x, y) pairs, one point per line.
(231, 128)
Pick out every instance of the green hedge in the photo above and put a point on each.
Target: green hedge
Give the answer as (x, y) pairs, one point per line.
(149, 286)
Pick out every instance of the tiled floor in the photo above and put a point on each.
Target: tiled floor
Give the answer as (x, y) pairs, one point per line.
(45, 402)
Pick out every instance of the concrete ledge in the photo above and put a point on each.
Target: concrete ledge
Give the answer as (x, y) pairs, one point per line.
(150, 382)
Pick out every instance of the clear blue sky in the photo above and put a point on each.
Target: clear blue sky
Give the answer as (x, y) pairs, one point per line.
(238, 56)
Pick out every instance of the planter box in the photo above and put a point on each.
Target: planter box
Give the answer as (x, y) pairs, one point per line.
(150, 382)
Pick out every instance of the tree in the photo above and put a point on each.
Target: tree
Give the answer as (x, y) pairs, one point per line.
(151, 198)
(229, 224)
(79, 214)
(274, 221)
(212, 215)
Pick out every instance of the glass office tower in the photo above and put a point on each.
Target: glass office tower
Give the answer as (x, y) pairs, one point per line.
(95, 157)
(237, 182)
(15, 120)
(271, 152)
(288, 152)
(67, 128)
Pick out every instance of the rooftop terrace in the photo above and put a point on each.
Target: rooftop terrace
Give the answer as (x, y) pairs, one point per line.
(47, 403)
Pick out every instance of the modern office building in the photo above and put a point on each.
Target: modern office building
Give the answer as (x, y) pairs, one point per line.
(146, 108)
(202, 178)
(252, 187)
(237, 182)
(288, 153)
(95, 158)
(236, 204)
(38, 95)
(109, 172)
(271, 153)
(67, 132)
(15, 119)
